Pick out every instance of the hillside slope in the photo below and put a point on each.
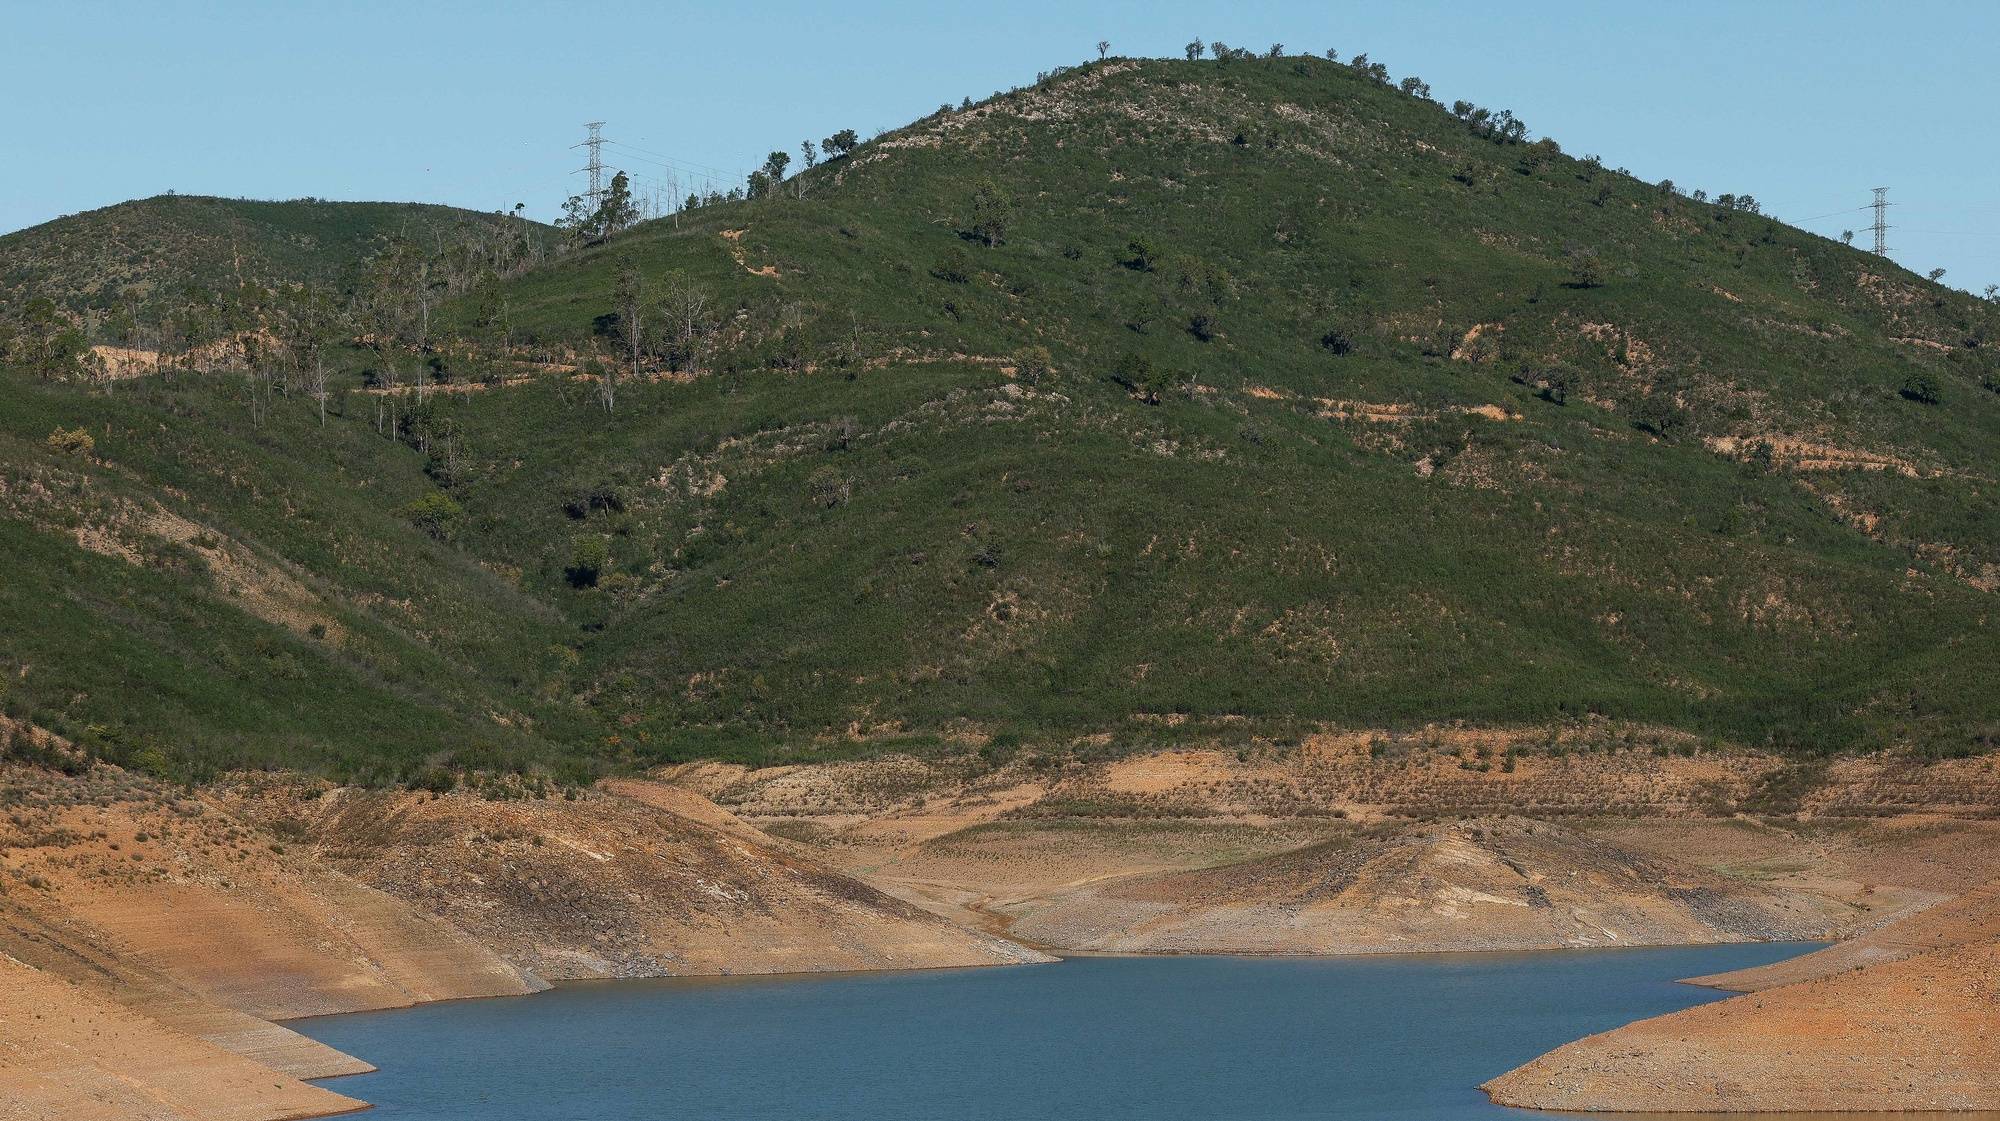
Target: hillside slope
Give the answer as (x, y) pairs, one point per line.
(148, 253)
(1258, 390)
(1159, 402)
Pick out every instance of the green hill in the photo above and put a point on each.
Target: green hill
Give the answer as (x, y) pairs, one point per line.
(1157, 401)
(149, 252)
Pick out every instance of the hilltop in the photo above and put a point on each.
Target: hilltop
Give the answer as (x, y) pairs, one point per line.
(132, 263)
(1158, 402)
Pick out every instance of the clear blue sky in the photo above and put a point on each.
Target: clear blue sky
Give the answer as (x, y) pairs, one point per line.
(1804, 105)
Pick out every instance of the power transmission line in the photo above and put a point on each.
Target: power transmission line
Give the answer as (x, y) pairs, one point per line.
(1833, 214)
(688, 164)
(695, 173)
(682, 175)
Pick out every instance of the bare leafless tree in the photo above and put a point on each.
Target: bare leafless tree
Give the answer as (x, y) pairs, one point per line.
(631, 299)
(687, 308)
(607, 382)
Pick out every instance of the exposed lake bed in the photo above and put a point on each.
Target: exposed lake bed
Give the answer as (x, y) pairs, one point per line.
(1161, 1038)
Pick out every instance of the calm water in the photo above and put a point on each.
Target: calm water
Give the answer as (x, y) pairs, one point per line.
(1090, 1039)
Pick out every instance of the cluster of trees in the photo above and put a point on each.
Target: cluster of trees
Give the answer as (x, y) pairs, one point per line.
(588, 224)
(1223, 52)
(1361, 63)
(46, 342)
(1501, 128)
(620, 209)
(1368, 68)
(769, 178)
(672, 320)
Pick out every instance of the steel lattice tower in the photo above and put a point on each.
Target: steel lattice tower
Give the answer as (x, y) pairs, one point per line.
(1881, 226)
(595, 145)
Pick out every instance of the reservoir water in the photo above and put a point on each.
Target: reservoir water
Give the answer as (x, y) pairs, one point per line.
(1089, 1039)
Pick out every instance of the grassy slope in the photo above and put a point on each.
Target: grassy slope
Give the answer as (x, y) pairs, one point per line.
(153, 248)
(422, 656)
(813, 539)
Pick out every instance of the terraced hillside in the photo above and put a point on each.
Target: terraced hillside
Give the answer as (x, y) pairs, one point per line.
(1158, 402)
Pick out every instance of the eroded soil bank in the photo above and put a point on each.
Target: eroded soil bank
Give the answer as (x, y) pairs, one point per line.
(205, 916)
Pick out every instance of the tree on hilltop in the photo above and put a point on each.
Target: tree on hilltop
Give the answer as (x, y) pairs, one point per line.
(588, 225)
(840, 144)
(618, 211)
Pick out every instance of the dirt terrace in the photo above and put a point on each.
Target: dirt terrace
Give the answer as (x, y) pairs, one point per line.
(1485, 884)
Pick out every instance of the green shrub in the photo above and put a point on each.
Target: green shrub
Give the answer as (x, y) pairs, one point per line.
(71, 441)
(437, 514)
(589, 556)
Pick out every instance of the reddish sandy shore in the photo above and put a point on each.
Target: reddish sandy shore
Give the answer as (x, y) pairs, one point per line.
(67, 1054)
(1914, 1027)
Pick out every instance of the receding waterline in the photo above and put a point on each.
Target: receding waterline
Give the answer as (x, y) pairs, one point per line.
(1153, 1038)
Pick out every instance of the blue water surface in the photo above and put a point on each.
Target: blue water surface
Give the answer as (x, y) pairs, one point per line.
(1088, 1039)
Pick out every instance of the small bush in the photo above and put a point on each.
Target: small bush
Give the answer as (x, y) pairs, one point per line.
(71, 441)
(1921, 388)
(436, 514)
(588, 558)
(1586, 269)
(1032, 364)
(828, 488)
(953, 266)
